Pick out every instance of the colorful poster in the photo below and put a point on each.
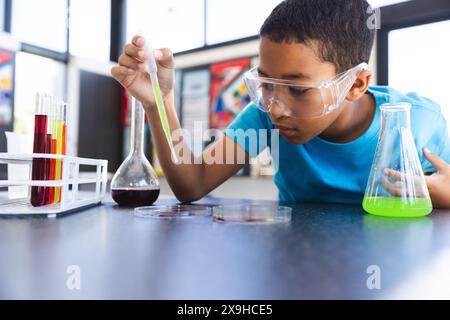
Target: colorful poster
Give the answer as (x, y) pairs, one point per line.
(228, 92)
(195, 107)
(6, 87)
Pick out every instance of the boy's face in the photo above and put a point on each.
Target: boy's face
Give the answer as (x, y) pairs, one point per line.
(296, 61)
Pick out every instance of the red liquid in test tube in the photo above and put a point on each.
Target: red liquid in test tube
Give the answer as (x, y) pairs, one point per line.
(39, 146)
(48, 148)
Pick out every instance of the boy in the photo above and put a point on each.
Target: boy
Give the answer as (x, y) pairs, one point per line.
(325, 154)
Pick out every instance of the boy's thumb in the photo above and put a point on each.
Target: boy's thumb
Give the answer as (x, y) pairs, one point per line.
(158, 54)
(435, 160)
(164, 57)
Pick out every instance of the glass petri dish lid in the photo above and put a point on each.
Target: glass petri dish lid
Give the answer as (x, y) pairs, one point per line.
(173, 211)
(252, 214)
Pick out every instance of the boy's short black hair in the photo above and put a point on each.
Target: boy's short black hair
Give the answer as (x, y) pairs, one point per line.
(340, 27)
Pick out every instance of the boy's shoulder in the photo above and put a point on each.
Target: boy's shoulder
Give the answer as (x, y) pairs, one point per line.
(420, 104)
(428, 124)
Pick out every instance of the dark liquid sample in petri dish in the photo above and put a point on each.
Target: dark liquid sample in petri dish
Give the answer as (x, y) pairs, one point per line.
(244, 219)
(178, 211)
(135, 197)
(252, 214)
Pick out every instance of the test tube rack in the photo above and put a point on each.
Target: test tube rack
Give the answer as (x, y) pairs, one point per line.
(72, 199)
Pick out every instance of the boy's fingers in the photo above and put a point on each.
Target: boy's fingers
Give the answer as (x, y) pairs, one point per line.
(392, 189)
(121, 73)
(397, 175)
(130, 63)
(435, 160)
(138, 41)
(396, 189)
(164, 57)
(430, 180)
(401, 176)
(136, 52)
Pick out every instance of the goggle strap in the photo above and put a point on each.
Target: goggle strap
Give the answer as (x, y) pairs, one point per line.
(344, 84)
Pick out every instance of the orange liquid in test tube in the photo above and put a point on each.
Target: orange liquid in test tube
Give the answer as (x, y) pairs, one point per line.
(61, 147)
(52, 171)
(54, 131)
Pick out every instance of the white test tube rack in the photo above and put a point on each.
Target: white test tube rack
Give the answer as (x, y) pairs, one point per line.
(72, 199)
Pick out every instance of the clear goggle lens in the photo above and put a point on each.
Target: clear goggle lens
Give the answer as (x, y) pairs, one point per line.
(300, 100)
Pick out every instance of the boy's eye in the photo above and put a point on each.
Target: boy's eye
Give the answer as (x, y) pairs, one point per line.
(297, 92)
(267, 86)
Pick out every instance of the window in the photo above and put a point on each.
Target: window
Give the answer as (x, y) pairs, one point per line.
(235, 19)
(34, 74)
(2, 15)
(176, 24)
(408, 49)
(383, 3)
(42, 23)
(90, 24)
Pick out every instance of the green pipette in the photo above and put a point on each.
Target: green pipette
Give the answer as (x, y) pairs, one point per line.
(153, 72)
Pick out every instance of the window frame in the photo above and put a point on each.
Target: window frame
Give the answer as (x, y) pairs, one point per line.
(35, 49)
(118, 24)
(396, 16)
(7, 16)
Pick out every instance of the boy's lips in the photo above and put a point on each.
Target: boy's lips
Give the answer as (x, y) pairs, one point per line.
(285, 131)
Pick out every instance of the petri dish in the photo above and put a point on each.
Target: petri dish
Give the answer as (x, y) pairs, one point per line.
(252, 214)
(173, 212)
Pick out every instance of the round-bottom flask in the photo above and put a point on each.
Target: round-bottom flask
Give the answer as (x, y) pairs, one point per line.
(135, 183)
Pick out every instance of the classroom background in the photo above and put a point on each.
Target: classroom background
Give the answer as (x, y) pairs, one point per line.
(67, 47)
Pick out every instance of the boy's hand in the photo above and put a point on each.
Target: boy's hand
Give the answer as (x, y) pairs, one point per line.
(438, 183)
(132, 70)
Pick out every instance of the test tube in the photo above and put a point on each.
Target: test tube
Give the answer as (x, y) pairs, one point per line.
(53, 149)
(64, 140)
(64, 136)
(39, 146)
(59, 143)
(48, 146)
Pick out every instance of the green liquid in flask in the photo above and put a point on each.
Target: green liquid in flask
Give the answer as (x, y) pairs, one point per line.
(397, 207)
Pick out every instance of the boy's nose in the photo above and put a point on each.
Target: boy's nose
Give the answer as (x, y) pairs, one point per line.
(277, 108)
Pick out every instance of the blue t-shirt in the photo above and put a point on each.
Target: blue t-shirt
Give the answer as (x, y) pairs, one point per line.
(338, 172)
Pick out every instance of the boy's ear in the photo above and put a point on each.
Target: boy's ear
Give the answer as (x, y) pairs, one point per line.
(360, 86)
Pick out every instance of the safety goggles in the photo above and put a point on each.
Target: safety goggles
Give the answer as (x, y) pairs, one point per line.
(300, 99)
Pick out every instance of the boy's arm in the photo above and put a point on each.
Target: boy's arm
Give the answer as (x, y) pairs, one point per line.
(438, 183)
(194, 179)
(188, 181)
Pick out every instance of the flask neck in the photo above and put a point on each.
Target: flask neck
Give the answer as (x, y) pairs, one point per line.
(396, 116)
(137, 127)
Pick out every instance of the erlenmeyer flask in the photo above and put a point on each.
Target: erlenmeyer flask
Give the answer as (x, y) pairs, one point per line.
(396, 186)
(135, 183)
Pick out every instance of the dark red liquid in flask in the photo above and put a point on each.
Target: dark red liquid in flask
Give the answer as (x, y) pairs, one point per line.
(134, 197)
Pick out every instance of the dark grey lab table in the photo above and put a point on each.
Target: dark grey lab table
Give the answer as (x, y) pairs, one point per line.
(328, 251)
